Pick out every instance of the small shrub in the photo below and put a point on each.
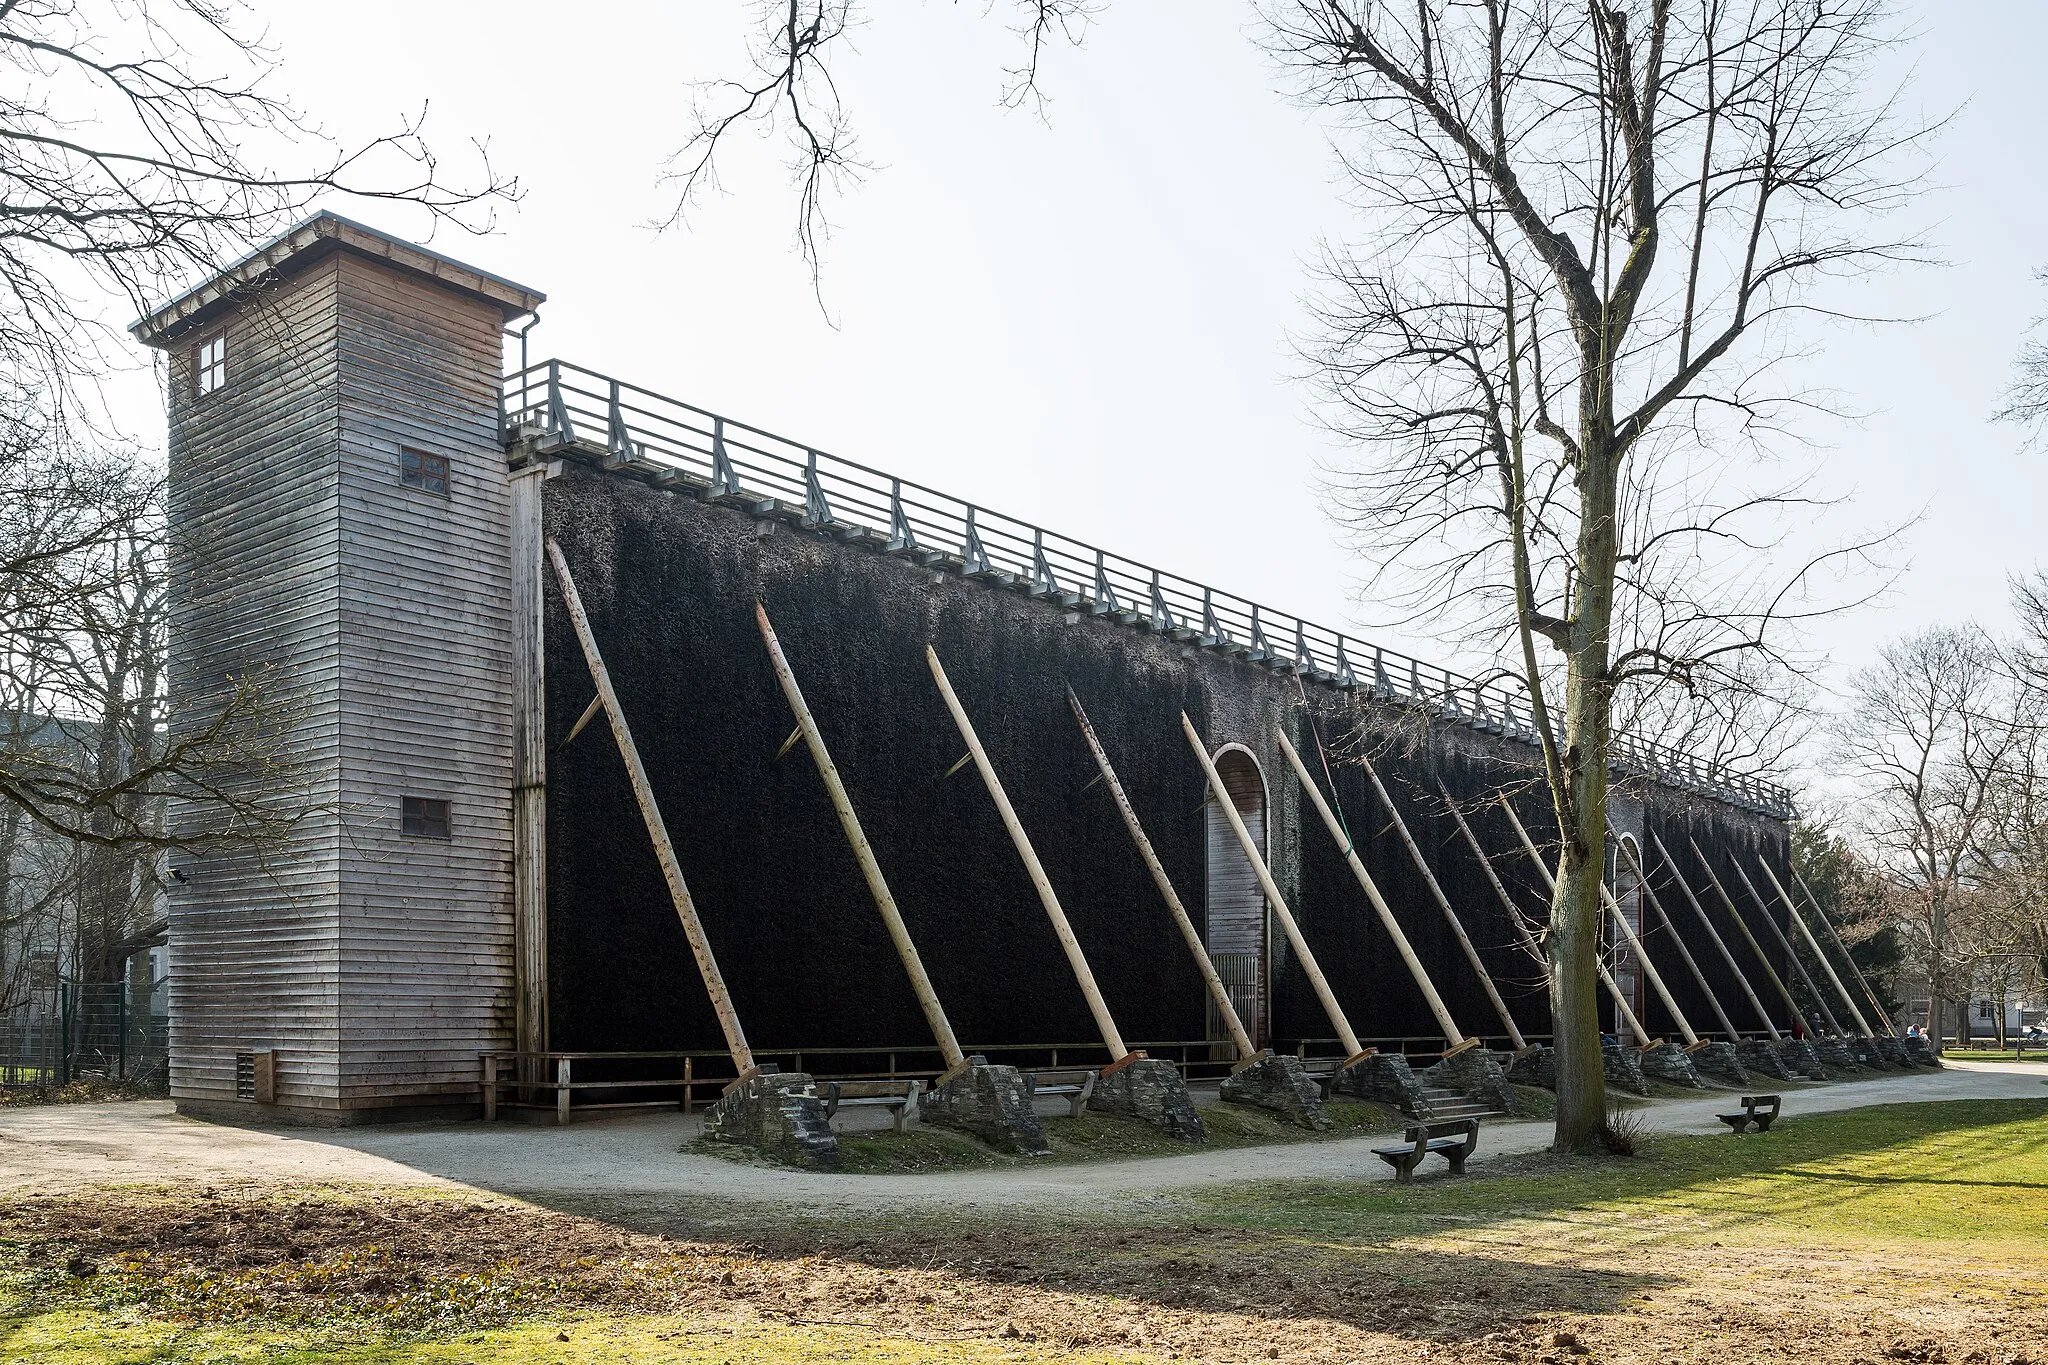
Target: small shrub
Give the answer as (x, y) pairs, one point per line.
(1626, 1131)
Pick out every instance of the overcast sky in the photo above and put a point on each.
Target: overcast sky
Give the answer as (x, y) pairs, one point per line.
(1086, 322)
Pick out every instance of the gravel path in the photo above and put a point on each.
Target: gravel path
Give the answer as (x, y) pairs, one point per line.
(70, 1147)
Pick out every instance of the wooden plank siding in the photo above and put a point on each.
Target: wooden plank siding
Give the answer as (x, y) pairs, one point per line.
(256, 543)
(376, 965)
(426, 695)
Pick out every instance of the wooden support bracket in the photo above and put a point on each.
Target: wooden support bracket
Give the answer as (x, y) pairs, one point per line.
(1460, 1049)
(1120, 1063)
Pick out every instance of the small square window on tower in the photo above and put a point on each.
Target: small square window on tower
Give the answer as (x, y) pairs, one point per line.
(418, 469)
(210, 364)
(423, 817)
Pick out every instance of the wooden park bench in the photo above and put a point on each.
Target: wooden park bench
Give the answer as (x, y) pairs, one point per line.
(1075, 1086)
(898, 1097)
(1453, 1141)
(1761, 1110)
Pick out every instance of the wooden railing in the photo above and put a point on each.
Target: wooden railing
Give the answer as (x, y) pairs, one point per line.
(678, 444)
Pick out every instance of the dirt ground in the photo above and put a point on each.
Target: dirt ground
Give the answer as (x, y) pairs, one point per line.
(80, 1147)
(1176, 1290)
(455, 1227)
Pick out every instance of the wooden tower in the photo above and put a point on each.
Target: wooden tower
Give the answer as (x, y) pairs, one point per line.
(340, 512)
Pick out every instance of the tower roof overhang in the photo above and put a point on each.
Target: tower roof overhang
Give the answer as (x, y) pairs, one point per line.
(310, 242)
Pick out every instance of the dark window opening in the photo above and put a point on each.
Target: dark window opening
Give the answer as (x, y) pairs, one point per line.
(423, 817)
(210, 365)
(418, 469)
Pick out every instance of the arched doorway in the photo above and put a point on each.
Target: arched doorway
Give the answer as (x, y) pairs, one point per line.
(1628, 894)
(1236, 906)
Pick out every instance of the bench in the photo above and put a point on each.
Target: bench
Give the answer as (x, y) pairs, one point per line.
(1453, 1141)
(1754, 1110)
(898, 1097)
(1076, 1086)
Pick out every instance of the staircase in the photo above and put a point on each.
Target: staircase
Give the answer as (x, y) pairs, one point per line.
(1445, 1105)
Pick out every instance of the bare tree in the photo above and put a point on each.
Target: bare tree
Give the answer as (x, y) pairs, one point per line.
(1595, 215)
(1595, 218)
(1929, 743)
(790, 95)
(140, 145)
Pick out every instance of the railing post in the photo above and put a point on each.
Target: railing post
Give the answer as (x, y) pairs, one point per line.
(490, 1067)
(558, 411)
(1162, 615)
(561, 1091)
(618, 438)
(817, 511)
(901, 536)
(1105, 593)
(689, 1085)
(724, 480)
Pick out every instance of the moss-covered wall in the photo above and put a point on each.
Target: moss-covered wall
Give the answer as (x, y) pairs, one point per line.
(670, 585)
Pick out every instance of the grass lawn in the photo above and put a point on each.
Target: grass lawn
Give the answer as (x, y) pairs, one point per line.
(2031, 1055)
(1900, 1232)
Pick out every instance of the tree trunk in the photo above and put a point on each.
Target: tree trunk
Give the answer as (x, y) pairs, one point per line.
(1576, 912)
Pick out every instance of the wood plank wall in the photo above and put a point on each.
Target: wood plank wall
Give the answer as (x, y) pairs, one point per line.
(255, 587)
(376, 965)
(426, 698)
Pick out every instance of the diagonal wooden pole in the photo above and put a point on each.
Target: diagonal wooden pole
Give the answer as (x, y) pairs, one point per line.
(657, 830)
(1720, 943)
(1456, 1040)
(1684, 952)
(1755, 948)
(1791, 953)
(1515, 916)
(1239, 1039)
(1353, 1049)
(1064, 931)
(1799, 922)
(1628, 931)
(1443, 903)
(1621, 1005)
(1884, 1015)
(863, 852)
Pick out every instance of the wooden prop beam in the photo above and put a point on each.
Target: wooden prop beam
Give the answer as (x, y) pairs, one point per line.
(1111, 1039)
(1756, 948)
(1443, 903)
(1239, 1039)
(657, 830)
(1884, 1015)
(1741, 979)
(1621, 1005)
(1649, 968)
(1791, 953)
(1515, 917)
(863, 852)
(1331, 1009)
(1799, 922)
(1698, 976)
(1452, 1035)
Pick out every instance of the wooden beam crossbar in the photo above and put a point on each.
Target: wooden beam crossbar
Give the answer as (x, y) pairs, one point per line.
(1715, 934)
(1799, 922)
(1316, 979)
(1111, 1038)
(1621, 1005)
(1791, 953)
(1777, 982)
(657, 830)
(1698, 976)
(1884, 1015)
(863, 852)
(1452, 1034)
(1443, 903)
(1239, 1038)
